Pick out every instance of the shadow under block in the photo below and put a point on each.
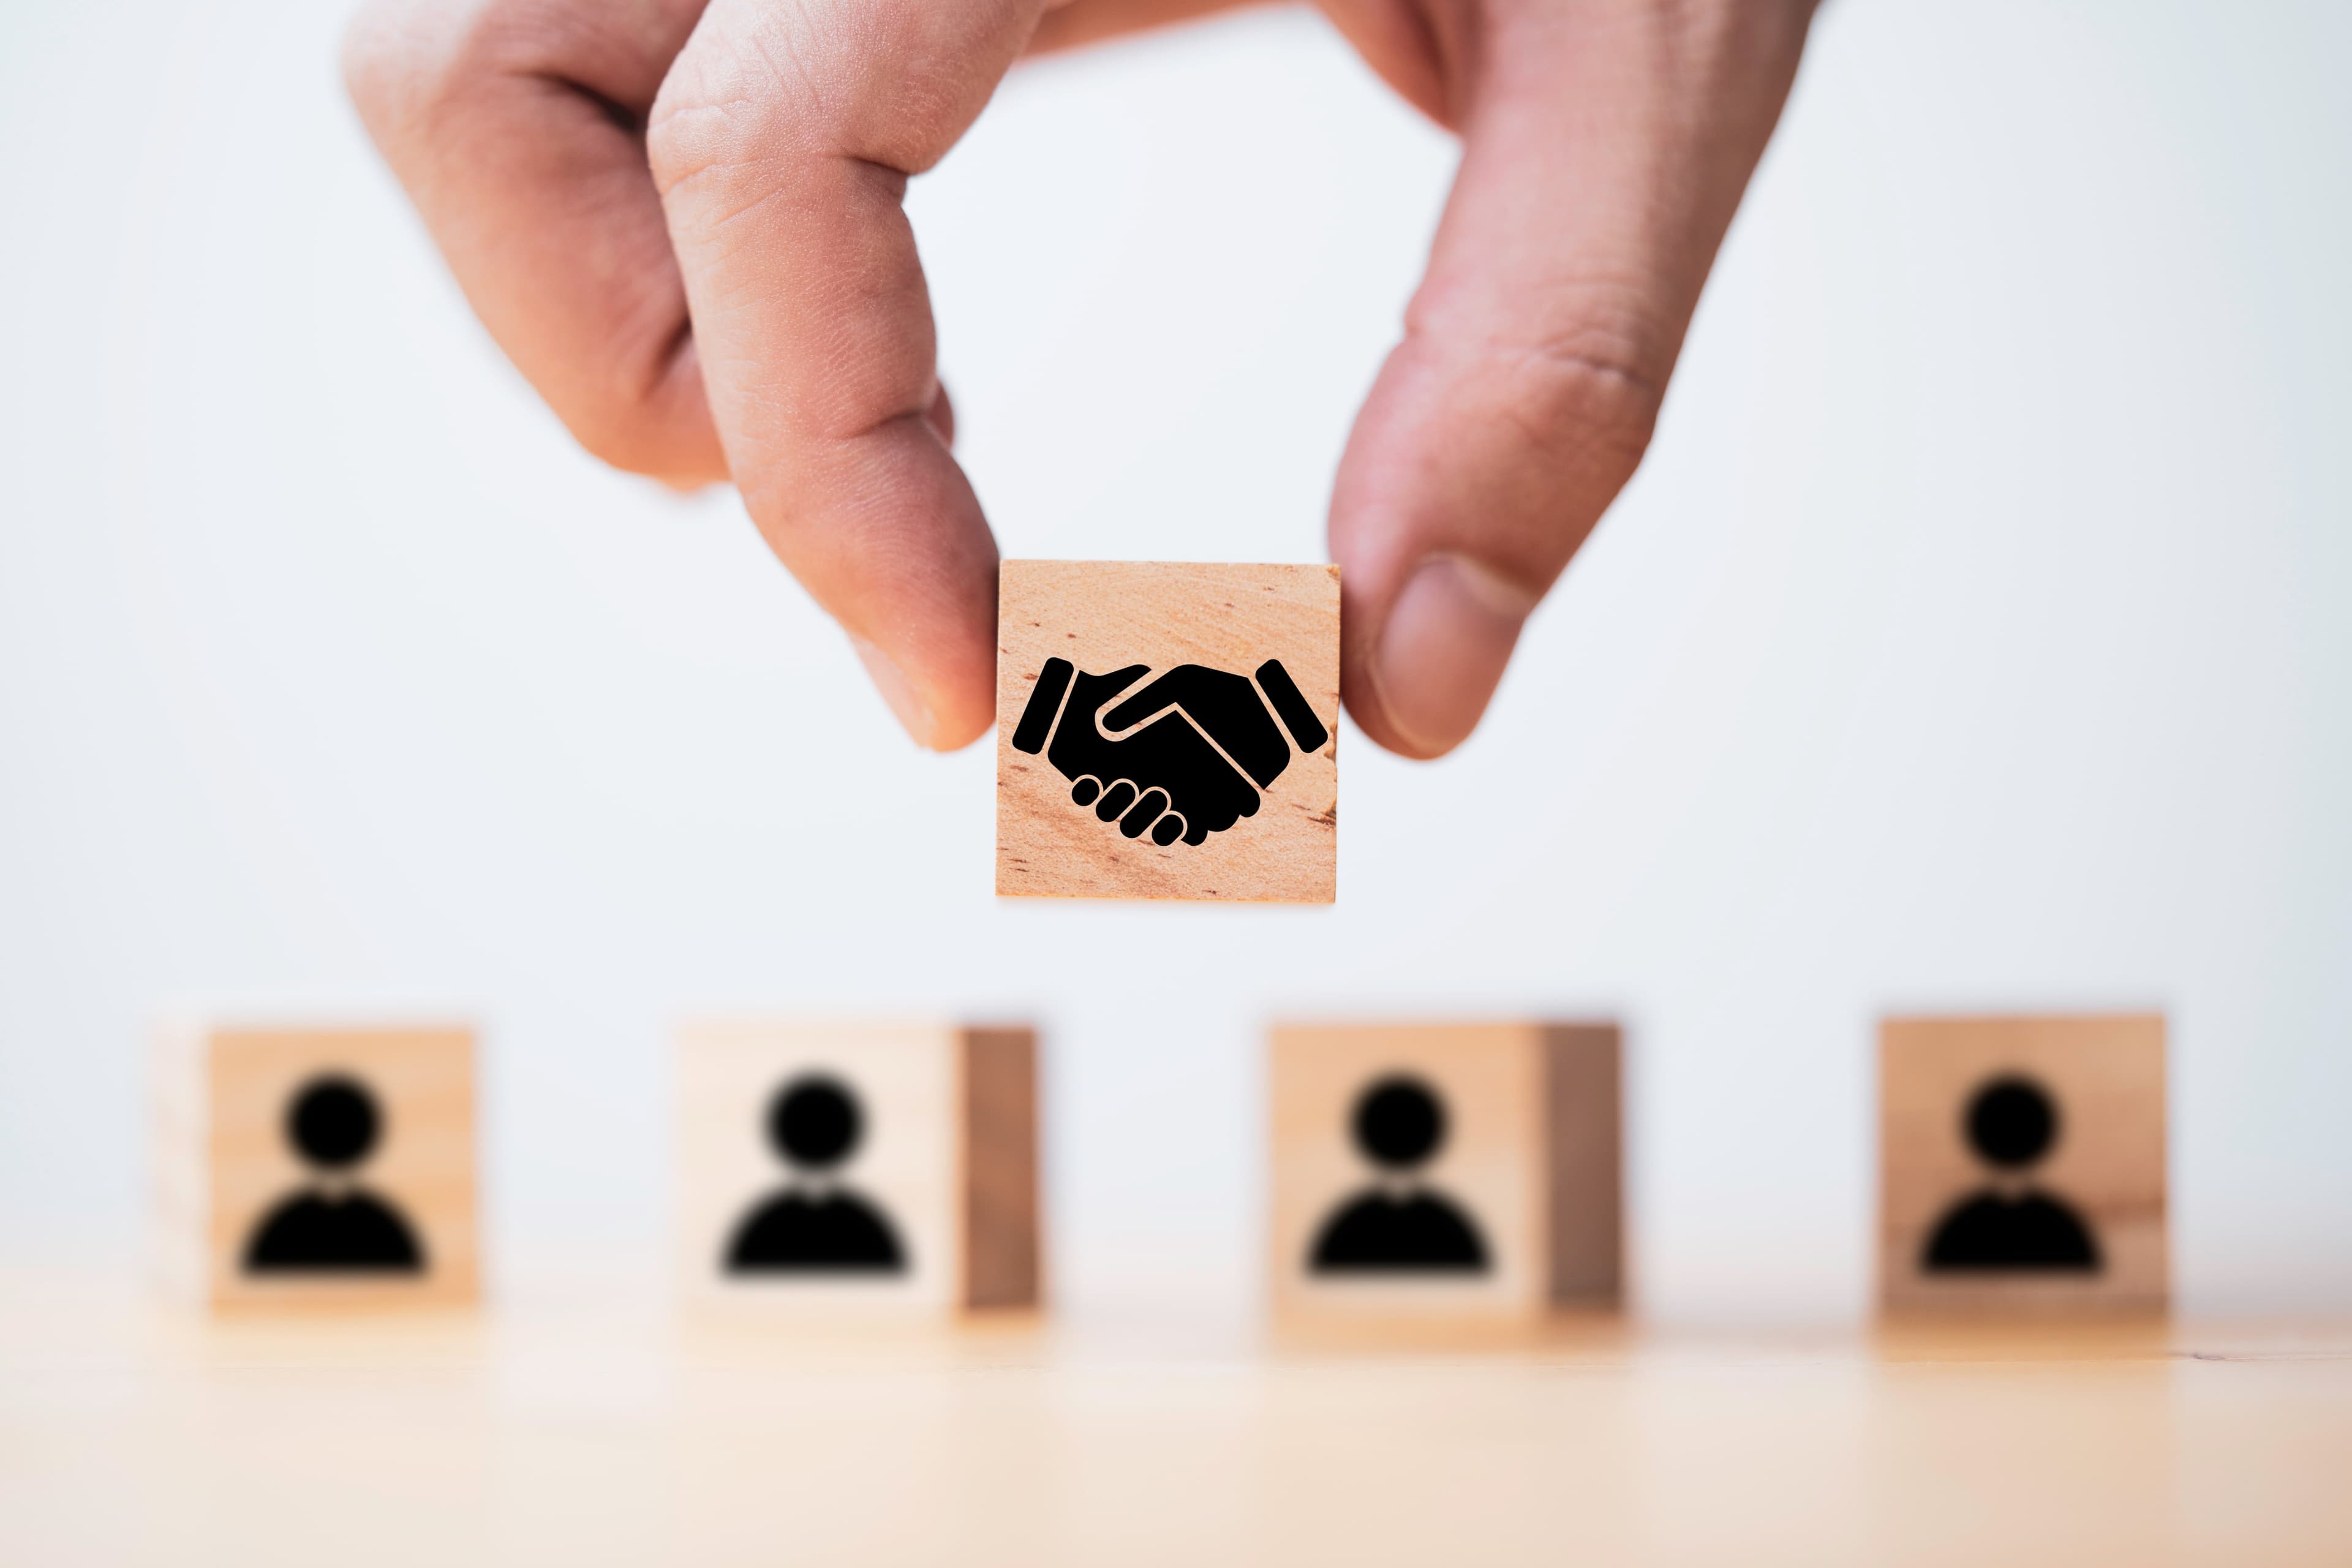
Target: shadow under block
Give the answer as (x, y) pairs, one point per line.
(318, 1166)
(1371, 1202)
(1168, 731)
(859, 1169)
(2021, 1163)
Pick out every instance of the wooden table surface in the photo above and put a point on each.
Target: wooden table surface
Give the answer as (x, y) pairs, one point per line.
(586, 1434)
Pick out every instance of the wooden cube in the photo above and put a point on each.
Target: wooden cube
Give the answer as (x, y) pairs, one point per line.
(2021, 1163)
(1168, 731)
(326, 1166)
(869, 1169)
(1445, 1171)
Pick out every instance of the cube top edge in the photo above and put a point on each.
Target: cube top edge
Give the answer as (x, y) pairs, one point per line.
(1033, 562)
(234, 1031)
(842, 1027)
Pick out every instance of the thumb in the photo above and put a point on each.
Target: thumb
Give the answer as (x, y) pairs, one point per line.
(1606, 147)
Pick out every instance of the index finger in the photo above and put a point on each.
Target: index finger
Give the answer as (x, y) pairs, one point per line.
(782, 142)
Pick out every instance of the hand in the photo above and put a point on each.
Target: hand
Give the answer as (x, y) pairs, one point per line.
(1196, 740)
(682, 222)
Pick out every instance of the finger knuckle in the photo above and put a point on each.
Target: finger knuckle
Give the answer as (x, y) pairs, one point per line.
(760, 89)
(410, 68)
(1588, 393)
(738, 97)
(699, 122)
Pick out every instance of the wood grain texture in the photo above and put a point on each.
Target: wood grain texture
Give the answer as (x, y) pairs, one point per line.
(1489, 1079)
(422, 1165)
(1585, 1189)
(2106, 1075)
(1003, 1255)
(904, 1079)
(581, 1431)
(1104, 616)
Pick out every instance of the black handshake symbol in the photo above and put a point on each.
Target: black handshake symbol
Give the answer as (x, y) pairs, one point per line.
(1183, 758)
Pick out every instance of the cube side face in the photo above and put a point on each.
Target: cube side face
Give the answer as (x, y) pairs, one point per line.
(379, 1208)
(1002, 1247)
(1584, 1157)
(2022, 1165)
(1251, 658)
(1365, 1226)
(811, 1214)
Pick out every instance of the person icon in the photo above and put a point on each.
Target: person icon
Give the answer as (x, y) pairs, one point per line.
(2011, 1123)
(1399, 1123)
(334, 1226)
(814, 1123)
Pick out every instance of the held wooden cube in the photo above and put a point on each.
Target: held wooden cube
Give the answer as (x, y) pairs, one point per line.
(871, 1169)
(1168, 731)
(2021, 1163)
(318, 1166)
(1445, 1171)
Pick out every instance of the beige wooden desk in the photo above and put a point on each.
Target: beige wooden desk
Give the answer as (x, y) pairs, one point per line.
(614, 1435)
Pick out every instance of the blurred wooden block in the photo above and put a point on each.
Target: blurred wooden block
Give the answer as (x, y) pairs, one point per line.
(1168, 731)
(1445, 1171)
(2021, 1163)
(326, 1166)
(859, 1168)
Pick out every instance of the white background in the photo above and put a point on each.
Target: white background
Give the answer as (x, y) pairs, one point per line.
(1979, 634)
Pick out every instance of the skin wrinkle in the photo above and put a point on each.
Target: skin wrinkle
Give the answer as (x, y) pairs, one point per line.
(681, 150)
(908, 131)
(812, 102)
(678, 370)
(558, 47)
(1611, 408)
(629, 122)
(854, 386)
(856, 370)
(1595, 396)
(664, 365)
(868, 497)
(852, 378)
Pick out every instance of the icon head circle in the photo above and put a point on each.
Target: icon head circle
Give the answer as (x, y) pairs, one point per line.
(2012, 1121)
(334, 1121)
(814, 1123)
(1398, 1122)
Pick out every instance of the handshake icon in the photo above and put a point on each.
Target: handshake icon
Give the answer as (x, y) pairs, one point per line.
(1184, 757)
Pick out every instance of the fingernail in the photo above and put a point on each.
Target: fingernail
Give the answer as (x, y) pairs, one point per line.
(896, 690)
(1450, 633)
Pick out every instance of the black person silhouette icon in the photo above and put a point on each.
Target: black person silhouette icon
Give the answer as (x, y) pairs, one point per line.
(814, 1123)
(1399, 1124)
(2011, 1123)
(334, 1225)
